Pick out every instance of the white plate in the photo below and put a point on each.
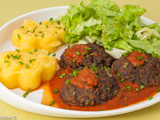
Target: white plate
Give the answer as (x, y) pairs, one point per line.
(32, 102)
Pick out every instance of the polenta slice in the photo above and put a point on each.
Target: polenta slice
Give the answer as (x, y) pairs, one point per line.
(26, 69)
(45, 35)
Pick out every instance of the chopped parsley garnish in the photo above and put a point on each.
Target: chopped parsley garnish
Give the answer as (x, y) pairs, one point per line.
(59, 27)
(139, 50)
(33, 31)
(85, 67)
(137, 64)
(126, 54)
(69, 46)
(96, 76)
(55, 90)
(70, 74)
(35, 50)
(40, 31)
(51, 19)
(28, 31)
(142, 86)
(74, 60)
(17, 50)
(119, 74)
(18, 56)
(22, 26)
(15, 57)
(88, 48)
(121, 80)
(52, 102)
(30, 52)
(26, 93)
(35, 35)
(101, 110)
(140, 58)
(20, 62)
(54, 54)
(94, 68)
(128, 87)
(48, 53)
(123, 89)
(75, 72)
(68, 108)
(67, 81)
(115, 92)
(27, 66)
(62, 75)
(58, 22)
(145, 60)
(84, 82)
(40, 23)
(150, 97)
(104, 67)
(42, 35)
(78, 53)
(92, 54)
(137, 90)
(6, 61)
(84, 53)
(18, 36)
(108, 68)
(46, 26)
(32, 60)
(158, 90)
(8, 56)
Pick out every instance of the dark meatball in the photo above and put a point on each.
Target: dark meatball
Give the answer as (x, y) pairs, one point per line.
(96, 54)
(93, 84)
(148, 74)
(105, 89)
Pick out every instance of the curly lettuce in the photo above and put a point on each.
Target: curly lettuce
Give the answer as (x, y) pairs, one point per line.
(103, 22)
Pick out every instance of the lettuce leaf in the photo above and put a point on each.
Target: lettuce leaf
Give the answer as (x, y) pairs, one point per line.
(131, 13)
(154, 26)
(147, 46)
(156, 47)
(81, 21)
(105, 4)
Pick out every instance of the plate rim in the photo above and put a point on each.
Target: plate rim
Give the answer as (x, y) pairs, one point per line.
(58, 111)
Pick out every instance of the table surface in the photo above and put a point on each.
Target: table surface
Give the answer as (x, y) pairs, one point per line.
(10, 9)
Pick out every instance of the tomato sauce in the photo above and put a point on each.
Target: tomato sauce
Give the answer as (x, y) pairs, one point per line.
(136, 58)
(85, 79)
(129, 94)
(77, 53)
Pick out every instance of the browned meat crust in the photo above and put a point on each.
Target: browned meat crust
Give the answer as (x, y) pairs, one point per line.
(102, 58)
(105, 90)
(147, 75)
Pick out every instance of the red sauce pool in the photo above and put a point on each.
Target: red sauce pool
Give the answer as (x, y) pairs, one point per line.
(126, 96)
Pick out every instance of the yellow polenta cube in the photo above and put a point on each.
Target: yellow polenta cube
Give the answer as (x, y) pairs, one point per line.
(46, 35)
(26, 70)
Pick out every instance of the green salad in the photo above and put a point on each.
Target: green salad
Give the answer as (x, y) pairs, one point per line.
(118, 31)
